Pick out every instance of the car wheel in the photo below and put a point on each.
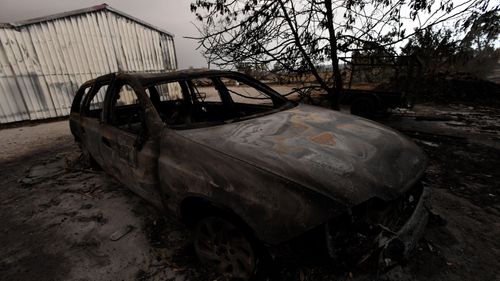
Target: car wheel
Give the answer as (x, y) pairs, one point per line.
(221, 245)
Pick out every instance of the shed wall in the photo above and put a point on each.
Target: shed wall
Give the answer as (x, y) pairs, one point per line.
(43, 64)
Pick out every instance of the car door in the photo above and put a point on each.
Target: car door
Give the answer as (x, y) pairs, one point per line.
(129, 140)
(89, 128)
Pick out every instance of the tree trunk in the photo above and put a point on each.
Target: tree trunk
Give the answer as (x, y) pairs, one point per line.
(337, 87)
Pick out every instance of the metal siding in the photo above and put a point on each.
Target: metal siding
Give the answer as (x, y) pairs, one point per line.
(14, 57)
(119, 48)
(15, 108)
(35, 72)
(43, 63)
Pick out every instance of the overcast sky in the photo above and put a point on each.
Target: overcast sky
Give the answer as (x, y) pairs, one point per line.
(171, 15)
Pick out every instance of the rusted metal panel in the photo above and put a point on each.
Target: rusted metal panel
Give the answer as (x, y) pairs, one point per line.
(44, 60)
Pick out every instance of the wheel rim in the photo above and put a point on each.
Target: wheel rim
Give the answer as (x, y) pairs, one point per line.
(219, 244)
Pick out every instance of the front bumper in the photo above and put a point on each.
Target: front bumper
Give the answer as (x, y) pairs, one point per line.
(396, 246)
(387, 245)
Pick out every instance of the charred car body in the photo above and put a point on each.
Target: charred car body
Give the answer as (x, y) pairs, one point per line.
(229, 156)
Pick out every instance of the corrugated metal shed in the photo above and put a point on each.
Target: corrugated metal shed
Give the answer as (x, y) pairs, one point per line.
(43, 61)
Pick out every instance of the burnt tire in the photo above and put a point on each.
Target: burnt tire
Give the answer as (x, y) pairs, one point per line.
(222, 246)
(364, 107)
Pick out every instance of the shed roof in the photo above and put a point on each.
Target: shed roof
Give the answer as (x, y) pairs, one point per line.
(83, 11)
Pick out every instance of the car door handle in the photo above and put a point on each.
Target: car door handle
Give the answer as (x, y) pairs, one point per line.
(106, 141)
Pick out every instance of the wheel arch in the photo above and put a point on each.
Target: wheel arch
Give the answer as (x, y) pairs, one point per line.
(194, 208)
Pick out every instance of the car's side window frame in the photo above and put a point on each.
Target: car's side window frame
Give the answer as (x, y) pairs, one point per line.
(185, 90)
(225, 98)
(96, 86)
(223, 92)
(142, 98)
(80, 97)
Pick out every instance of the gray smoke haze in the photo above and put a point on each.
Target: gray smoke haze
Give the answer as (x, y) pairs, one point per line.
(170, 15)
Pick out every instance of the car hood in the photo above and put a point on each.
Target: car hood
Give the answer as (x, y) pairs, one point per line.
(344, 157)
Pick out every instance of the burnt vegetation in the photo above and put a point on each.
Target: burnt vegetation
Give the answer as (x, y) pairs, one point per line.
(303, 38)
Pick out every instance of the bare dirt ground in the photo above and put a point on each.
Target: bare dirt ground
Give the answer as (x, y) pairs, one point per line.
(61, 221)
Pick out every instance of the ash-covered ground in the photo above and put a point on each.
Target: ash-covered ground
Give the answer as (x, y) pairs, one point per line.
(62, 221)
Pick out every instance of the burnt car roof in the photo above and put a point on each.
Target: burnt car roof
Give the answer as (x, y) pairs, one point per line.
(154, 77)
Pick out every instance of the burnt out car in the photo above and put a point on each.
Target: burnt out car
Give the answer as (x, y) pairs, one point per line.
(249, 170)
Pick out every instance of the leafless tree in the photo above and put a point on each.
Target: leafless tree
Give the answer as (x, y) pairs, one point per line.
(300, 35)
